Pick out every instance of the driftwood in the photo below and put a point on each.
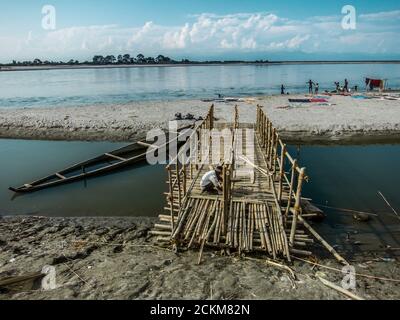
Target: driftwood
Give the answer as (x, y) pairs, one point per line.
(339, 289)
(276, 265)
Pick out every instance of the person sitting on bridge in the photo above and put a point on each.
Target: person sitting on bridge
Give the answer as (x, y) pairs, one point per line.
(210, 182)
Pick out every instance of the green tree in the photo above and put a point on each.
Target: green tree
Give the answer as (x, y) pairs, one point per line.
(140, 58)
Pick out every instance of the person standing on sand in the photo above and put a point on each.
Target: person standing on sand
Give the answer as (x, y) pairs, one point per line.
(346, 86)
(283, 89)
(310, 86)
(316, 88)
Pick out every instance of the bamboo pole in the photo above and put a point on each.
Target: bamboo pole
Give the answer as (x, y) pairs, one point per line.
(297, 205)
(206, 234)
(339, 289)
(268, 133)
(278, 230)
(203, 215)
(259, 229)
(196, 216)
(219, 223)
(281, 173)
(162, 226)
(178, 182)
(214, 223)
(196, 227)
(191, 215)
(300, 252)
(389, 205)
(184, 180)
(236, 226)
(240, 223)
(267, 223)
(289, 203)
(221, 226)
(324, 243)
(249, 225)
(245, 247)
(171, 198)
(232, 235)
(229, 227)
(203, 220)
(269, 241)
(250, 219)
(275, 149)
(346, 210)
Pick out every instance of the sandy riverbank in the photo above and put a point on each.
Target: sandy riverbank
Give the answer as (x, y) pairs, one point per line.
(342, 119)
(115, 258)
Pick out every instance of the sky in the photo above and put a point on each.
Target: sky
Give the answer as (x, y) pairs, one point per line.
(200, 29)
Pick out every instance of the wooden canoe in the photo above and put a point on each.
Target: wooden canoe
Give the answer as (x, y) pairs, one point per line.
(102, 164)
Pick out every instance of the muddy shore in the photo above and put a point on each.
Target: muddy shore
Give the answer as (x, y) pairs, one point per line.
(342, 119)
(116, 258)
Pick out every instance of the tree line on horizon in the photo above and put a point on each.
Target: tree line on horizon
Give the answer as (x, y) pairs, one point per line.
(124, 59)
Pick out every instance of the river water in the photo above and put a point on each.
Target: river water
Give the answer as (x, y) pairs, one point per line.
(340, 176)
(55, 88)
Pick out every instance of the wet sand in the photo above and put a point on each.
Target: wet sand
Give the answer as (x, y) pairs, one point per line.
(342, 119)
(115, 258)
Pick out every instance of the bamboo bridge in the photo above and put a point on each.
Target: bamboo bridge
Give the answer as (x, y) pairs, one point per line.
(260, 207)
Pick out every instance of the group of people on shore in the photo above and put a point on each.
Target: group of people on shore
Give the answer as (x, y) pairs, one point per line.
(313, 87)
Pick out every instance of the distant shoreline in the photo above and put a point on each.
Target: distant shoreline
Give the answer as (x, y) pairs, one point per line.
(122, 66)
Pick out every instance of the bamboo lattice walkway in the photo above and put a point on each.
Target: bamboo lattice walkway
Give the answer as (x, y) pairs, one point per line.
(260, 210)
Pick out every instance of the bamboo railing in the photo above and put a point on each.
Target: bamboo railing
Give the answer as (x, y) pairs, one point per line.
(278, 161)
(180, 172)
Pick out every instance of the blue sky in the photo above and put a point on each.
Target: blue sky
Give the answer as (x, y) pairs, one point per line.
(200, 29)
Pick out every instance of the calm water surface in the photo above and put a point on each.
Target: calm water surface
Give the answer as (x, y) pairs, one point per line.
(350, 177)
(132, 192)
(52, 88)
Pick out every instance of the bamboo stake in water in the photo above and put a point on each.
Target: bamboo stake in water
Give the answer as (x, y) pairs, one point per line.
(171, 198)
(281, 173)
(179, 182)
(324, 243)
(387, 202)
(297, 205)
(291, 188)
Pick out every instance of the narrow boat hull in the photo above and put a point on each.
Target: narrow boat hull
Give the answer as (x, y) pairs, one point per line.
(108, 162)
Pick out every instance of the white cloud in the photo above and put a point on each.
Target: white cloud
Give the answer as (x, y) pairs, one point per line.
(382, 16)
(208, 34)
